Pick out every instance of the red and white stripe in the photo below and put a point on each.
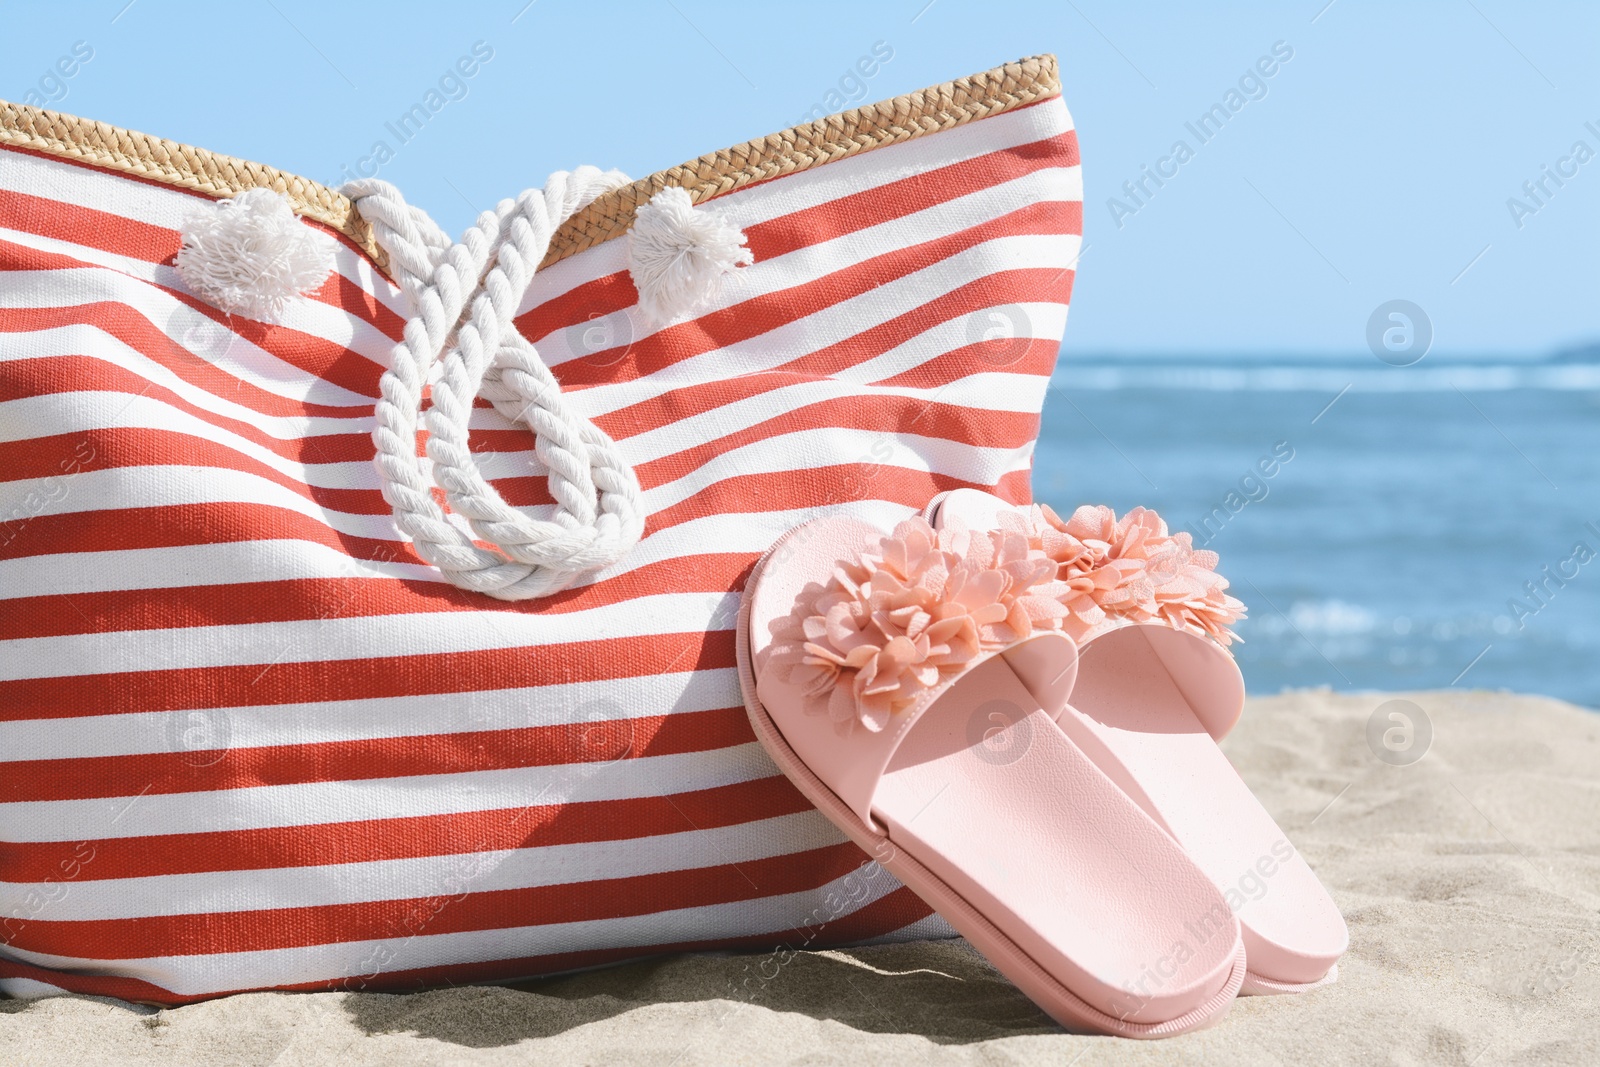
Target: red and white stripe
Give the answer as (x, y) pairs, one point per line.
(251, 741)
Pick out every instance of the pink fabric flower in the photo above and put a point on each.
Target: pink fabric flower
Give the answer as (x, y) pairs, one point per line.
(905, 618)
(891, 626)
(1129, 569)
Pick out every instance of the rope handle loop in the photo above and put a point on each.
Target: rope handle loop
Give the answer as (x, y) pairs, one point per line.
(463, 296)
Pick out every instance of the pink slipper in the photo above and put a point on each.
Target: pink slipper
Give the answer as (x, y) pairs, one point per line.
(901, 683)
(1149, 705)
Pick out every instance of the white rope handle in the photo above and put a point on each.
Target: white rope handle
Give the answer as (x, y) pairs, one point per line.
(463, 296)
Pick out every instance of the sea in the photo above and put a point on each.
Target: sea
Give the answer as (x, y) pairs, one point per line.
(1432, 526)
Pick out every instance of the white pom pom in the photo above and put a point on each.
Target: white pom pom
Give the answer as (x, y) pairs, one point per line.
(678, 254)
(250, 255)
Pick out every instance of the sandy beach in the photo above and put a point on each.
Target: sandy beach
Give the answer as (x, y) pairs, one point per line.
(1470, 880)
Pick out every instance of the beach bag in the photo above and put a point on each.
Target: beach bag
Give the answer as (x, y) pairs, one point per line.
(253, 738)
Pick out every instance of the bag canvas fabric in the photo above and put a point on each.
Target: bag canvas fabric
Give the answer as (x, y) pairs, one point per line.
(252, 741)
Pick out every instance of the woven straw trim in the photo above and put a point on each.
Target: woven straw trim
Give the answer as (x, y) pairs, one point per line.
(171, 163)
(802, 147)
(903, 118)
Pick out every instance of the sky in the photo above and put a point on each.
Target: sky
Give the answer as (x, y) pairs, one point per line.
(1384, 158)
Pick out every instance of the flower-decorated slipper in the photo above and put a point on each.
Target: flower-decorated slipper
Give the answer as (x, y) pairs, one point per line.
(1156, 690)
(900, 682)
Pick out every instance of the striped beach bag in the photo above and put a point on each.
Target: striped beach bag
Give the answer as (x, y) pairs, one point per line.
(274, 715)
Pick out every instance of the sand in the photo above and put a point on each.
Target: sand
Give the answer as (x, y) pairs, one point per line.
(1470, 880)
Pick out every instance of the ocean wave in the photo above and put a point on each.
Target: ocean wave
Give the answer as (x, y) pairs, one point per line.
(1332, 618)
(1282, 378)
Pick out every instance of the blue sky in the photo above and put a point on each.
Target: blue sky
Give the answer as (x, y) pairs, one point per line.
(1377, 161)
